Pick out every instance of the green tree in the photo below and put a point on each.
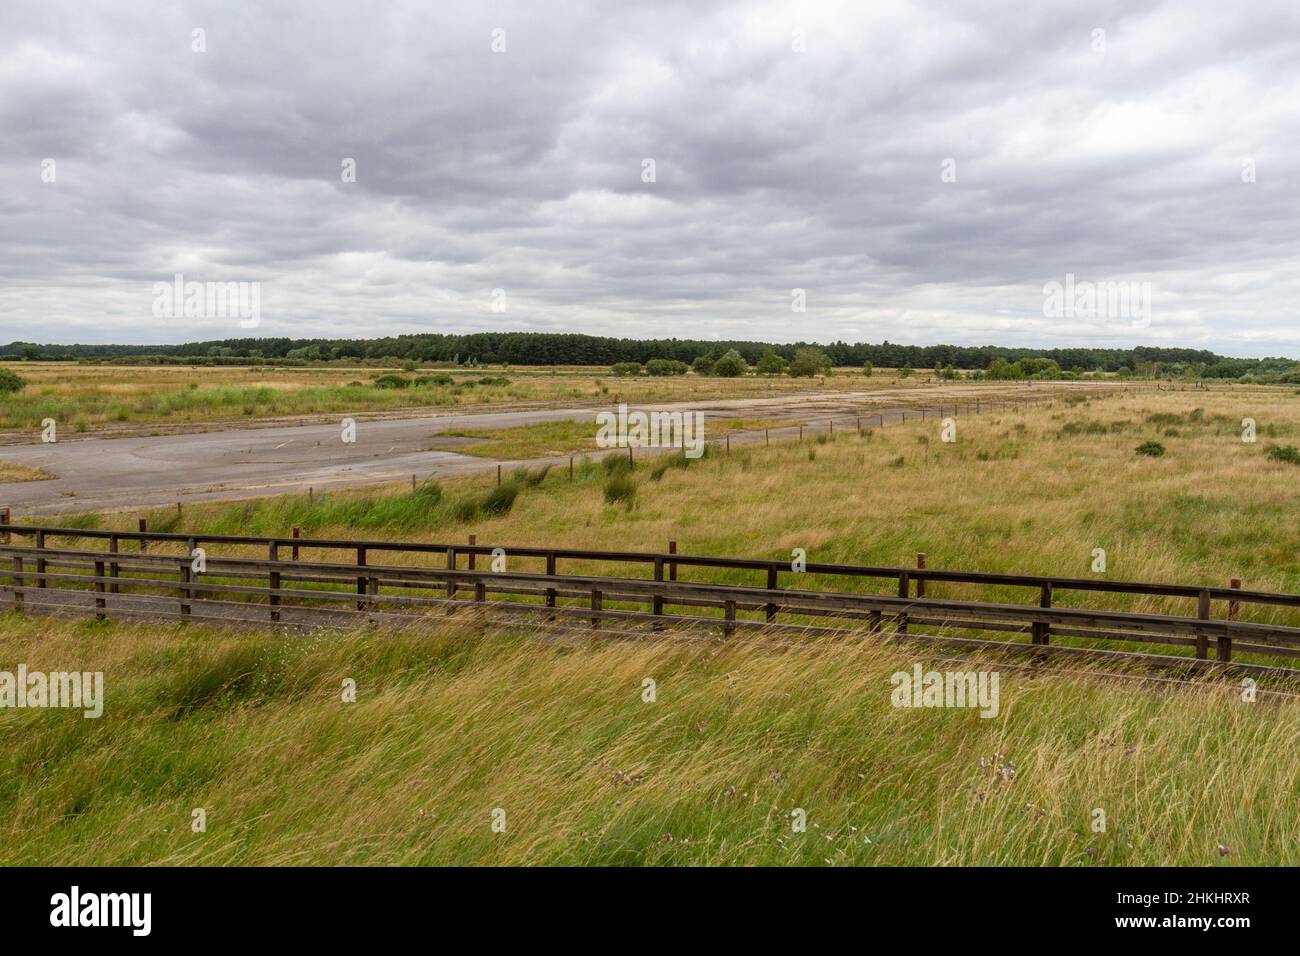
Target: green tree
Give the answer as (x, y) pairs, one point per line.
(731, 365)
(11, 382)
(769, 363)
(809, 362)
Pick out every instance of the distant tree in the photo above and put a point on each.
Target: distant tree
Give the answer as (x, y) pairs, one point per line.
(906, 370)
(867, 368)
(809, 362)
(769, 363)
(731, 365)
(626, 368)
(1003, 371)
(703, 365)
(11, 382)
(662, 367)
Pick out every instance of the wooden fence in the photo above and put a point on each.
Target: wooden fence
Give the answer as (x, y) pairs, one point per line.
(284, 580)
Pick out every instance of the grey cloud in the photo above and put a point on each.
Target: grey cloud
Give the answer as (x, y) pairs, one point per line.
(775, 169)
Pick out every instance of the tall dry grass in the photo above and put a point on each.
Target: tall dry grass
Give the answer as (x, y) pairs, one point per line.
(451, 724)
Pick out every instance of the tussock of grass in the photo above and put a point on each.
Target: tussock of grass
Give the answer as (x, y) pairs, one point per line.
(13, 471)
(450, 724)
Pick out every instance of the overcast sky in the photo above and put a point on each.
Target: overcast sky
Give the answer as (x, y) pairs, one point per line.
(920, 169)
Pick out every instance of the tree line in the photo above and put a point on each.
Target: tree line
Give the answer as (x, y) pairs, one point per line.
(546, 348)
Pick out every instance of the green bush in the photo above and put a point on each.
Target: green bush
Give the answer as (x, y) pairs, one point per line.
(624, 369)
(809, 362)
(663, 367)
(389, 380)
(11, 382)
(769, 363)
(731, 365)
(620, 488)
(500, 499)
(1287, 453)
(1151, 448)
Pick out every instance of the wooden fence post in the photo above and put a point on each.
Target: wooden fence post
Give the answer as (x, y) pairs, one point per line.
(100, 601)
(920, 579)
(451, 582)
(672, 565)
(658, 600)
(729, 614)
(297, 533)
(597, 602)
(40, 562)
(550, 592)
(1203, 612)
(1224, 650)
(4, 521)
(1040, 630)
(143, 526)
(112, 567)
(473, 540)
(274, 581)
(771, 586)
(184, 588)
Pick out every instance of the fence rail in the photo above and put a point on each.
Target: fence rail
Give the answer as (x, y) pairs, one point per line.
(159, 574)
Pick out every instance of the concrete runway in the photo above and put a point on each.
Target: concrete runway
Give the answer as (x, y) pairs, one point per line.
(103, 474)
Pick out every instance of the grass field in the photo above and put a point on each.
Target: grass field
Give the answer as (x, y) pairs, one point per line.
(449, 726)
(87, 398)
(452, 724)
(547, 439)
(1033, 491)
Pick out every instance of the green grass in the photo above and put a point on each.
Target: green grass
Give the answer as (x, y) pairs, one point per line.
(552, 439)
(450, 724)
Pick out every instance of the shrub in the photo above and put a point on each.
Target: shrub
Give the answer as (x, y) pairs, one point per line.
(867, 369)
(666, 367)
(809, 362)
(430, 491)
(620, 488)
(1287, 453)
(440, 379)
(703, 365)
(1152, 449)
(731, 365)
(389, 380)
(500, 499)
(616, 465)
(769, 363)
(11, 382)
(623, 369)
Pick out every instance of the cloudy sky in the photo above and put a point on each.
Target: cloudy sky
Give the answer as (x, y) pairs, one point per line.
(920, 169)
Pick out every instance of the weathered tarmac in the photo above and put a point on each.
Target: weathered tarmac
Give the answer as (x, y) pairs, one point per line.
(113, 473)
